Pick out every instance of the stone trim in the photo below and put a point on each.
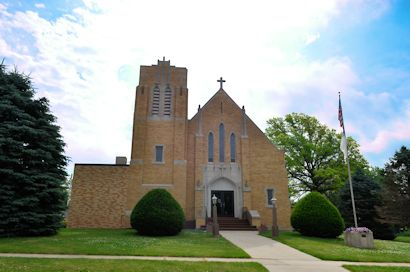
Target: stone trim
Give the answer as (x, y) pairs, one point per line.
(137, 161)
(99, 164)
(159, 185)
(180, 162)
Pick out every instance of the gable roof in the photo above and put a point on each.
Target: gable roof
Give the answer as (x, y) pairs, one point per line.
(223, 92)
(219, 92)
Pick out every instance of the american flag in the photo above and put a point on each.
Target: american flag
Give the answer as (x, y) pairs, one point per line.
(340, 113)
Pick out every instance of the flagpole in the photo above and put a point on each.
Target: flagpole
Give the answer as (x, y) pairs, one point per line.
(348, 166)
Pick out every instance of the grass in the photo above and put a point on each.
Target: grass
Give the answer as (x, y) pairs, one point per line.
(124, 242)
(364, 268)
(403, 237)
(336, 250)
(87, 265)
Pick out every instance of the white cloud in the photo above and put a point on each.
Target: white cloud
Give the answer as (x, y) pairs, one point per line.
(388, 132)
(311, 38)
(39, 5)
(87, 62)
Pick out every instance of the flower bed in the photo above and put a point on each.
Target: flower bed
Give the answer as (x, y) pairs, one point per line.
(359, 237)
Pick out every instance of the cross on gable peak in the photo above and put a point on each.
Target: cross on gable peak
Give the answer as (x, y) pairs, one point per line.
(221, 81)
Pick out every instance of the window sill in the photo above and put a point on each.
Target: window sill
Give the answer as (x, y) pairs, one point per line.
(155, 162)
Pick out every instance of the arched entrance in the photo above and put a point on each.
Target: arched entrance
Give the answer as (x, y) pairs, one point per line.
(229, 198)
(225, 204)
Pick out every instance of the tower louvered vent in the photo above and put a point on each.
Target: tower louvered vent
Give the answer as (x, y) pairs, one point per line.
(155, 100)
(167, 101)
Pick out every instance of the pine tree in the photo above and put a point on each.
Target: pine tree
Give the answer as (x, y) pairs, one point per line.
(32, 160)
(396, 189)
(368, 199)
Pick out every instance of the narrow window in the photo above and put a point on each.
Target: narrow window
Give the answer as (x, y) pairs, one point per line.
(159, 153)
(167, 101)
(210, 147)
(269, 194)
(221, 143)
(155, 100)
(233, 148)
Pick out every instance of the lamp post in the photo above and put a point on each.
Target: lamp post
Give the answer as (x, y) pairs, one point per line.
(275, 230)
(215, 226)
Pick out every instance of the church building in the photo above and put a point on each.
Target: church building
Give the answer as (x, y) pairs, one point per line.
(220, 151)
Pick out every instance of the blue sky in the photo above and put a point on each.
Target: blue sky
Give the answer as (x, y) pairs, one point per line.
(277, 57)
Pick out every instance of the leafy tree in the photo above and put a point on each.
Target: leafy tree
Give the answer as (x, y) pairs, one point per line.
(396, 188)
(312, 153)
(32, 161)
(368, 198)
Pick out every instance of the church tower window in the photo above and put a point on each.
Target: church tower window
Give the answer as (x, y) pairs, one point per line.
(155, 100)
(221, 143)
(159, 153)
(233, 148)
(167, 101)
(210, 147)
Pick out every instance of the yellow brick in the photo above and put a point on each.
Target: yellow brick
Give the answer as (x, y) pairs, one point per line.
(104, 195)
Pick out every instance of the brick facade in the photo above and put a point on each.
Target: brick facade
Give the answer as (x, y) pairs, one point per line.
(104, 195)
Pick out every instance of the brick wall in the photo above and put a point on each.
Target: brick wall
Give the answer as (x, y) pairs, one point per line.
(98, 198)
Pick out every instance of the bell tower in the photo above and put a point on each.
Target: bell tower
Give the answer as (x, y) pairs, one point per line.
(159, 140)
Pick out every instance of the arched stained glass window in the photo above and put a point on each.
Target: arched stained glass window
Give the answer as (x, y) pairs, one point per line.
(233, 148)
(210, 147)
(221, 143)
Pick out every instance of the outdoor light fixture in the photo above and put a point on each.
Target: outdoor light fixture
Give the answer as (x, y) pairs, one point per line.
(275, 229)
(215, 225)
(214, 199)
(273, 201)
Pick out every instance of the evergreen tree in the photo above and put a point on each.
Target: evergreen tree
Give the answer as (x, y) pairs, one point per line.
(32, 161)
(367, 195)
(396, 188)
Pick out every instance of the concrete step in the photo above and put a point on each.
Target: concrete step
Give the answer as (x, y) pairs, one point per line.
(250, 228)
(231, 223)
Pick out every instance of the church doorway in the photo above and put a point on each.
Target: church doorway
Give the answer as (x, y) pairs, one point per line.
(225, 205)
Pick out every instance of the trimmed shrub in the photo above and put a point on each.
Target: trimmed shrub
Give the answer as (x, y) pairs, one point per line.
(315, 215)
(157, 214)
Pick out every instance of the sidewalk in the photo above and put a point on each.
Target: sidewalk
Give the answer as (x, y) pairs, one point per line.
(118, 257)
(273, 255)
(276, 256)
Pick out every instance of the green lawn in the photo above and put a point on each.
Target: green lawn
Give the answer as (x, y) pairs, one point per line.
(87, 265)
(363, 268)
(336, 250)
(124, 242)
(403, 237)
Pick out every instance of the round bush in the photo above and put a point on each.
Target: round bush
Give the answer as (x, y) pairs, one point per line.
(315, 215)
(157, 214)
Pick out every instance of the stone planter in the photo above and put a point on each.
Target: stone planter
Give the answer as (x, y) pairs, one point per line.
(359, 239)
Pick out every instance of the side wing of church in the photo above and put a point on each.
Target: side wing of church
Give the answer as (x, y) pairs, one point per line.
(220, 152)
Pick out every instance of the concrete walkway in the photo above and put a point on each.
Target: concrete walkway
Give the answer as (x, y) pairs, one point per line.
(273, 255)
(276, 256)
(271, 264)
(119, 257)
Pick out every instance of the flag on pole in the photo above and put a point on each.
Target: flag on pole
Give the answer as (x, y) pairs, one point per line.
(343, 146)
(341, 114)
(343, 142)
